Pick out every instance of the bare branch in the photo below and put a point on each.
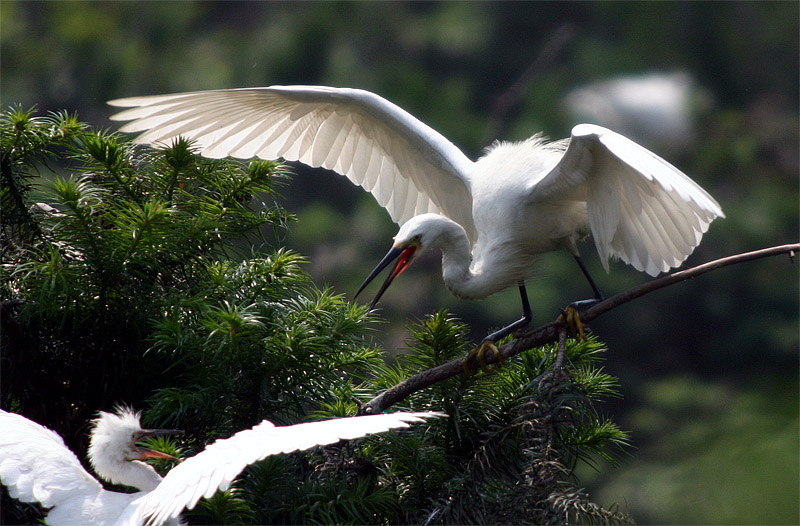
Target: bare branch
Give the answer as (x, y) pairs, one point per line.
(532, 338)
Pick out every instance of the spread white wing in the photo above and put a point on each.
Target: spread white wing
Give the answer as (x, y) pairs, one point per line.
(641, 209)
(36, 466)
(410, 168)
(220, 463)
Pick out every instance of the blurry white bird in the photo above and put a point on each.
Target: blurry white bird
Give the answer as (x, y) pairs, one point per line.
(659, 107)
(36, 466)
(490, 217)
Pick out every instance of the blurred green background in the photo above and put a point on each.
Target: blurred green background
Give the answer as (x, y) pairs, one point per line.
(709, 368)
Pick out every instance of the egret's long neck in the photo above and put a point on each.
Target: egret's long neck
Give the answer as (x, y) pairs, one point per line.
(478, 274)
(458, 272)
(135, 474)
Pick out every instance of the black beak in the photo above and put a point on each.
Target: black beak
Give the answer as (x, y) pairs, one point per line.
(147, 433)
(405, 255)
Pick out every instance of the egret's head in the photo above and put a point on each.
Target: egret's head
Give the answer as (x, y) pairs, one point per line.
(417, 235)
(114, 441)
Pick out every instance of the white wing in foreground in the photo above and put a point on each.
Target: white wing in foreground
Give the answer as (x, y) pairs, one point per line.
(410, 168)
(36, 466)
(641, 209)
(220, 463)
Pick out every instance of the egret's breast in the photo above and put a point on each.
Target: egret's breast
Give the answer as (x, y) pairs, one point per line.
(512, 229)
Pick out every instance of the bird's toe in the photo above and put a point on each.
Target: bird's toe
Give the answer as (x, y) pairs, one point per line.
(571, 317)
(479, 353)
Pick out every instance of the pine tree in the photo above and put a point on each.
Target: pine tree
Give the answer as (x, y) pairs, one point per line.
(157, 279)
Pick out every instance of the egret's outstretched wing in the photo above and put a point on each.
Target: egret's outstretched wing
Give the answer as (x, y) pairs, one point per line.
(215, 468)
(409, 167)
(36, 466)
(641, 209)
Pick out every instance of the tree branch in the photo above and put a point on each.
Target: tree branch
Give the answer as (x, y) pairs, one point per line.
(531, 338)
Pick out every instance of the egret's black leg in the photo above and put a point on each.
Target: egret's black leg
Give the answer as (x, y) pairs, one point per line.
(488, 343)
(527, 315)
(571, 315)
(598, 296)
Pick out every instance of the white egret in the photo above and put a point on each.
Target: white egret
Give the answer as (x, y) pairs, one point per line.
(489, 217)
(36, 466)
(660, 107)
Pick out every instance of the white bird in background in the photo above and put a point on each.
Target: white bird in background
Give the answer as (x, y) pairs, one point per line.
(489, 217)
(36, 466)
(660, 107)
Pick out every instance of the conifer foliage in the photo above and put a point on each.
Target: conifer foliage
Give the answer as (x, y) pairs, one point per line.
(156, 278)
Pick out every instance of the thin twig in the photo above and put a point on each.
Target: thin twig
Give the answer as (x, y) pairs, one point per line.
(526, 340)
(504, 103)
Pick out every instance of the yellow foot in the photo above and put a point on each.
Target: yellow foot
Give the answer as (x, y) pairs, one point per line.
(573, 320)
(480, 353)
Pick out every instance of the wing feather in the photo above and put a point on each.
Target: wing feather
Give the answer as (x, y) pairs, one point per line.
(36, 465)
(328, 145)
(357, 133)
(220, 463)
(344, 161)
(375, 168)
(641, 209)
(235, 138)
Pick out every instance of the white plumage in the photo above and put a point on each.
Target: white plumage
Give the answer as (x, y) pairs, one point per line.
(36, 466)
(518, 200)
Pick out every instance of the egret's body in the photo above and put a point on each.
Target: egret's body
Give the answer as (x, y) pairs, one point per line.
(36, 466)
(511, 231)
(491, 217)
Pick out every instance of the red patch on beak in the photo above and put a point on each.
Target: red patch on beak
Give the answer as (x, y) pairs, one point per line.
(152, 453)
(403, 262)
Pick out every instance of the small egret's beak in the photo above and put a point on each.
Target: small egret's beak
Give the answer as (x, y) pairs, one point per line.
(145, 452)
(404, 256)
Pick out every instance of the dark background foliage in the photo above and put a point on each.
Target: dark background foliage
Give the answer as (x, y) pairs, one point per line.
(708, 368)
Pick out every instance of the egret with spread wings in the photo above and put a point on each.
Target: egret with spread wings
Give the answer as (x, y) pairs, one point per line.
(36, 466)
(489, 217)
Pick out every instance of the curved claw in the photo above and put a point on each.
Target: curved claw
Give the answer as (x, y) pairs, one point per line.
(480, 353)
(572, 318)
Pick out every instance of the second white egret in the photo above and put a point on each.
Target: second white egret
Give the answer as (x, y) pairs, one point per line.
(36, 466)
(490, 218)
